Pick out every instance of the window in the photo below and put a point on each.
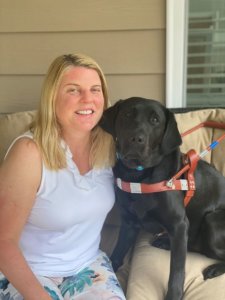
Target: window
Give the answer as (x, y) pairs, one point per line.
(195, 53)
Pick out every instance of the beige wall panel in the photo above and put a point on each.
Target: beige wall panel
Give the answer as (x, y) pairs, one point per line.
(19, 93)
(147, 86)
(80, 15)
(126, 37)
(117, 52)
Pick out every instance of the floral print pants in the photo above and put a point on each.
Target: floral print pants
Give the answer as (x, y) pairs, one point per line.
(94, 282)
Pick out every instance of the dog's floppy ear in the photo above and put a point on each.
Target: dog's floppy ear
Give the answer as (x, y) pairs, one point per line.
(108, 119)
(172, 138)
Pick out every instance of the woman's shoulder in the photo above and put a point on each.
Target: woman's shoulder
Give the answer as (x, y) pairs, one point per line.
(25, 144)
(23, 148)
(22, 165)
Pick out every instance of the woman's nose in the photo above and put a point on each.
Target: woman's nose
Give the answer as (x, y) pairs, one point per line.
(86, 96)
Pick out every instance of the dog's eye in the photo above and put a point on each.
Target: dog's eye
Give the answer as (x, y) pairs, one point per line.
(128, 114)
(154, 119)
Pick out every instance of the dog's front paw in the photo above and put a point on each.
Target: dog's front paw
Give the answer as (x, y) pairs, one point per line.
(161, 241)
(213, 271)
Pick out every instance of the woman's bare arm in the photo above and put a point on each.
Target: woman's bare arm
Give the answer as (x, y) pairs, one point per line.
(20, 176)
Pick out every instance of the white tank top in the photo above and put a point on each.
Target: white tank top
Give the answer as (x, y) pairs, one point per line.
(63, 231)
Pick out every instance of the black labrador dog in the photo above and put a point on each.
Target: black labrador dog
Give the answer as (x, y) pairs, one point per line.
(147, 144)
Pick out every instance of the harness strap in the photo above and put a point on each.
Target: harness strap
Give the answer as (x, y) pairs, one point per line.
(191, 159)
(147, 188)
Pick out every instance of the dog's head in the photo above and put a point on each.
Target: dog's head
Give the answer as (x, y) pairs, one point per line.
(144, 130)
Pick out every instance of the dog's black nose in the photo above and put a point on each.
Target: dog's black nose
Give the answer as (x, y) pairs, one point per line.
(137, 139)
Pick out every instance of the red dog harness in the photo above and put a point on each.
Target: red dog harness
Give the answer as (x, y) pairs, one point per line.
(190, 161)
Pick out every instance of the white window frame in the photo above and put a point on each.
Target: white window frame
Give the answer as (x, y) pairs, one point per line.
(176, 52)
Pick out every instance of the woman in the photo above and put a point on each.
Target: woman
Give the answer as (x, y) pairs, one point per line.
(56, 188)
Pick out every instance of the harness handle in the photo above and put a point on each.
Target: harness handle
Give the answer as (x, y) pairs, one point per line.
(211, 124)
(192, 158)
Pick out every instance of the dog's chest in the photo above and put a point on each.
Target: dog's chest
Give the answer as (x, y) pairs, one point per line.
(135, 206)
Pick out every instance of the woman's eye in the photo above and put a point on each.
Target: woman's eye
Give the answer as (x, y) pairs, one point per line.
(96, 90)
(73, 90)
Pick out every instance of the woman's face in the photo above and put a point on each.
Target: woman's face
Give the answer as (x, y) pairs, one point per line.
(79, 100)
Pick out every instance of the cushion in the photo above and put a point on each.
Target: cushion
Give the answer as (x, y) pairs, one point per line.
(149, 274)
(11, 126)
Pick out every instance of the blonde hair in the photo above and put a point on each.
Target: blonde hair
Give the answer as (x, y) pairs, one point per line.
(46, 129)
